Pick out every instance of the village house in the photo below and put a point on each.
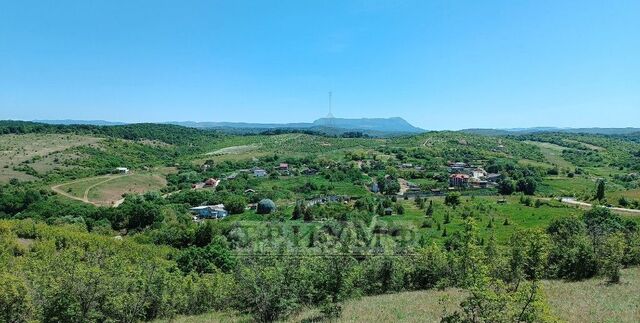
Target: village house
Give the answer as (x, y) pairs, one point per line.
(209, 211)
(458, 164)
(478, 183)
(457, 167)
(309, 171)
(283, 169)
(122, 170)
(478, 173)
(211, 182)
(375, 188)
(413, 187)
(258, 172)
(492, 177)
(458, 180)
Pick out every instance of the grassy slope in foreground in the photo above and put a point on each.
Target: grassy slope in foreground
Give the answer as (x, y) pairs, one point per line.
(585, 301)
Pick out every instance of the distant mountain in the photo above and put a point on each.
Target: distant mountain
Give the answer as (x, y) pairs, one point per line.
(376, 124)
(81, 122)
(372, 126)
(240, 125)
(525, 131)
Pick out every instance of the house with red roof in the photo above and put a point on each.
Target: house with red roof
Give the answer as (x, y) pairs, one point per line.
(459, 180)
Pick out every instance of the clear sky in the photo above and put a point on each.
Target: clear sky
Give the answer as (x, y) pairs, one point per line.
(439, 64)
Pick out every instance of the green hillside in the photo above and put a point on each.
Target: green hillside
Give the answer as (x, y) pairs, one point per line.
(316, 226)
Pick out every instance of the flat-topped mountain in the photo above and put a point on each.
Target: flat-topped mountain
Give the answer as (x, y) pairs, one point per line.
(375, 126)
(369, 125)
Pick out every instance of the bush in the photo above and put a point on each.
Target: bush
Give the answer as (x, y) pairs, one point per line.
(452, 199)
(235, 204)
(15, 303)
(613, 253)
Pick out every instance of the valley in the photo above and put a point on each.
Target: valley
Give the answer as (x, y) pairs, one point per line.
(321, 226)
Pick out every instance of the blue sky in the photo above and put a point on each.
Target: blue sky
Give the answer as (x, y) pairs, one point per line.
(438, 64)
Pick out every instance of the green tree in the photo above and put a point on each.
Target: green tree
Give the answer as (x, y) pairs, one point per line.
(452, 199)
(600, 190)
(15, 301)
(300, 210)
(429, 212)
(506, 186)
(527, 185)
(235, 204)
(613, 254)
(492, 299)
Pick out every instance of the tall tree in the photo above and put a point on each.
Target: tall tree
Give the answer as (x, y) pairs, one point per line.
(600, 190)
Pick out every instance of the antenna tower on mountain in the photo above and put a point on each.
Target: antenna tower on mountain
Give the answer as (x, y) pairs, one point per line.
(330, 116)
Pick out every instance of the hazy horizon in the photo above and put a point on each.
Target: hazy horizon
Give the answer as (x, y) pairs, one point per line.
(513, 128)
(438, 65)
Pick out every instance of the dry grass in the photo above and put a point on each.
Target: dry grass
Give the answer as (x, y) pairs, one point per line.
(235, 150)
(79, 187)
(222, 317)
(596, 301)
(7, 174)
(587, 301)
(111, 191)
(107, 190)
(39, 151)
(552, 153)
(421, 306)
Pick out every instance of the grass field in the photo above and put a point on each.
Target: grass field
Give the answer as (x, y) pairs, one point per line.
(111, 191)
(577, 186)
(106, 190)
(528, 162)
(552, 153)
(630, 194)
(596, 301)
(235, 149)
(42, 152)
(585, 301)
(291, 183)
(79, 187)
(484, 210)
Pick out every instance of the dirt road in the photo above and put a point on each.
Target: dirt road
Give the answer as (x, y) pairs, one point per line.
(573, 201)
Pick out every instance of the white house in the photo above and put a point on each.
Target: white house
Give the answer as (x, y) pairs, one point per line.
(210, 211)
(259, 172)
(122, 170)
(478, 173)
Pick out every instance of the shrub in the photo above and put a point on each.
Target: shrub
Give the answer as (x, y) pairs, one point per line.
(613, 253)
(235, 204)
(15, 303)
(452, 199)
